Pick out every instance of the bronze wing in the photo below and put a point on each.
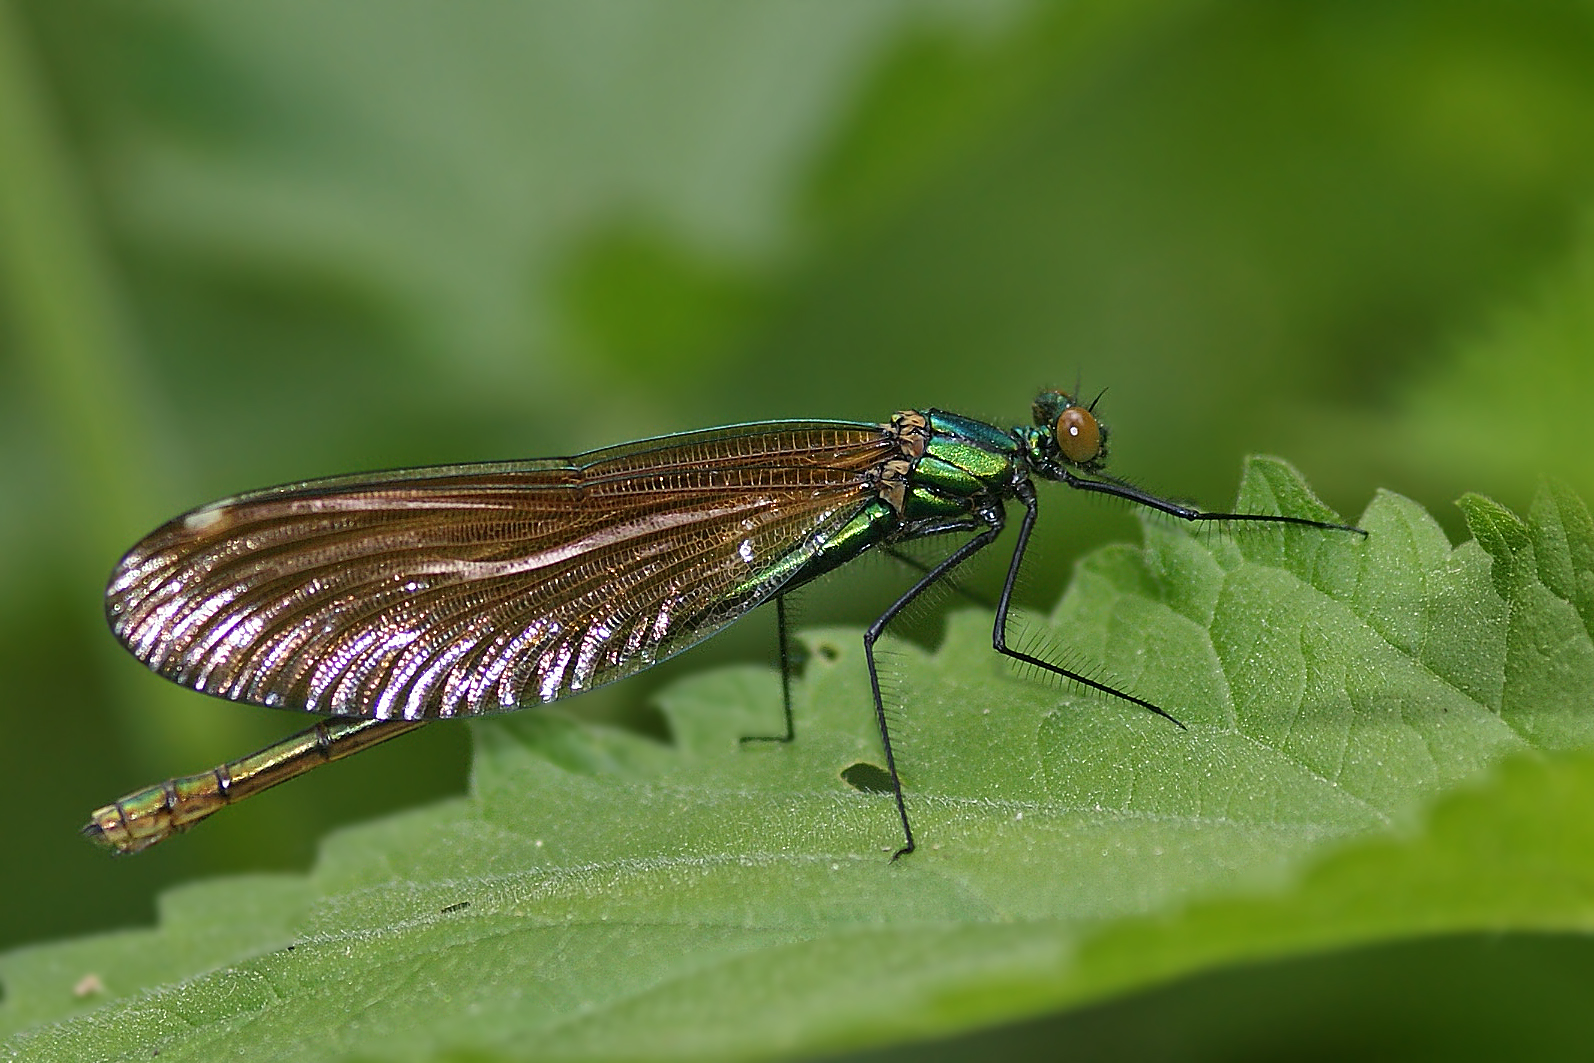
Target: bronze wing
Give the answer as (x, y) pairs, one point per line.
(468, 589)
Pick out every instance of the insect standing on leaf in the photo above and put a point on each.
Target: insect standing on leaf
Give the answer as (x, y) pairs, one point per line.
(384, 601)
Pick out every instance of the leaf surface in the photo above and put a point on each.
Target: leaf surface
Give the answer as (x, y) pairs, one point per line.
(1385, 738)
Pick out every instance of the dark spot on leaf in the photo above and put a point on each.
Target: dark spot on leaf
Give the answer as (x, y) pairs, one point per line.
(649, 720)
(867, 778)
(827, 650)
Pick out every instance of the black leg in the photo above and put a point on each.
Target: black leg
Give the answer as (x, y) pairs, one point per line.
(1120, 489)
(784, 638)
(919, 566)
(993, 520)
(783, 634)
(1026, 494)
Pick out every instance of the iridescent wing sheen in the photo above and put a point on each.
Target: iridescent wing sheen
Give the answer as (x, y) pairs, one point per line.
(468, 589)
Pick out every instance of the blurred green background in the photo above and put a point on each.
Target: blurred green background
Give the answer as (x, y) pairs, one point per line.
(248, 243)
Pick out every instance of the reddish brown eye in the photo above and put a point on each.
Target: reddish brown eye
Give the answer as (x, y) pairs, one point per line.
(1078, 435)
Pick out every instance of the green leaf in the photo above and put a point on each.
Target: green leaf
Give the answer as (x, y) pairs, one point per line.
(1386, 737)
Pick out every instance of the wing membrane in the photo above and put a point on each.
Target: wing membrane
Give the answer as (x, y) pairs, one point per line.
(468, 589)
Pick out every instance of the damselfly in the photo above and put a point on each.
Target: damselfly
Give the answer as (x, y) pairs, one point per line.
(387, 600)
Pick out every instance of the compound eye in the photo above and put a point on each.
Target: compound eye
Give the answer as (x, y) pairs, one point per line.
(1078, 435)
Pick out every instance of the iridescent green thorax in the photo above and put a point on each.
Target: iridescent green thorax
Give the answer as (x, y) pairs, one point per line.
(983, 452)
(943, 469)
(964, 460)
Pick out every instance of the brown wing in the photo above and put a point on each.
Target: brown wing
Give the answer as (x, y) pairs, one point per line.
(471, 589)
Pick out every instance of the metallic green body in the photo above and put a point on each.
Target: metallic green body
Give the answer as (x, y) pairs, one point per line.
(965, 463)
(872, 526)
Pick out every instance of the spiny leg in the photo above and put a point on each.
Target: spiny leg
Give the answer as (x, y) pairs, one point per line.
(1026, 494)
(787, 656)
(1117, 489)
(919, 566)
(993, 521)
(1131, 493)
(784, 637)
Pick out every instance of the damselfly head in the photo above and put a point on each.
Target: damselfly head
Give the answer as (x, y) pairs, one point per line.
(1070, 431)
